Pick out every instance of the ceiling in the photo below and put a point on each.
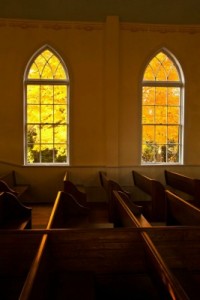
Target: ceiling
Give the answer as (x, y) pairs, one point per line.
(138, 11)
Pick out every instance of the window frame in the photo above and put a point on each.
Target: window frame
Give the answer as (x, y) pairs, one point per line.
(51, 82)
(177, 84)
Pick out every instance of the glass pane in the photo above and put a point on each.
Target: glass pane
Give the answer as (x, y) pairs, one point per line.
(33, 156)
(148, 114)
(148, 74)
(161, 114)
(34, 72)
(60, 153)
(46, 134)
(173, 115)
(33, 134)
(33, 113)
(148, 152)
(60, 94)
(173, 153)
(47, 153)
(161, 134)
(60, 134)
(60, 114)
(33, 94)
(46, 113)
(161, 154)
(39, 63)
(60, 73)
(173, 134)
(148, 96)
(148, 134)
(161, 95)
(47, 94)
(173, 96)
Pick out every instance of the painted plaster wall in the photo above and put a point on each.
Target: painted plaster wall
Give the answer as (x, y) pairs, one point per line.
(105, 63)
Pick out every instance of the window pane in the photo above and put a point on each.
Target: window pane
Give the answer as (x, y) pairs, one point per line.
(60, 94)
(33, 134)
(173, 96)
(161, 95)
(46, 134)
(33, 113)
(173, 134)
(161, 134)
(160, 114)
(60, 134)
(60, 114)
(148, 114)
(33, 94)
(148, 133)
(46, 94)
(46, 113)
(61, 153)
(47, 154)
(173, 115)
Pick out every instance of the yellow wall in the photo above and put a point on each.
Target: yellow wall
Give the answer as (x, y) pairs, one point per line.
(105, 63)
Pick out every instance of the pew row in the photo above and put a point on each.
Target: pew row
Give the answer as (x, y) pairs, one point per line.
(184, 186)
(109, 186)
(17, 254)
(68, 213)
(99, 264)
(76, 191)
(154, 207)
(13, 214)
(8, 183)
(180, 211)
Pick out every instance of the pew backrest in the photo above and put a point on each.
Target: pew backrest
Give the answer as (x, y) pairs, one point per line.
(180, 211)
(155, 190)
(77, 191)
(8, 183)
(13, 214)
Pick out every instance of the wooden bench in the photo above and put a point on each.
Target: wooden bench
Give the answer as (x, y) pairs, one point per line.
(154, 207)
(180, 211)
(99, 264)
(8, 183)
(67, 212)
(13, 214)
(109, 186)
(77, 191)
(127, 215)
(17, 254)
(179, 247)
(184, 186)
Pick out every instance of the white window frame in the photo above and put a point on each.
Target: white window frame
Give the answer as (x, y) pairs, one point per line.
(180, 84)
(46, 82)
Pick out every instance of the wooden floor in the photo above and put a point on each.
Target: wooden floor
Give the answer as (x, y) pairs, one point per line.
(41, 213)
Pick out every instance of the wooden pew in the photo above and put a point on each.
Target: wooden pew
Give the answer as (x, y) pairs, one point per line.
(8, 183)
(17, 253)
(154, 208)
(184, 186)
(67, 212)
(180, 212)
(179, 247)
(13, 214)
(100, 264)
(77, 191)
(109, 186)
(125, 214)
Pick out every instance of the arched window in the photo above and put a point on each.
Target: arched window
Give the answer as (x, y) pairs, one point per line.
(162, 111)
(46, 109)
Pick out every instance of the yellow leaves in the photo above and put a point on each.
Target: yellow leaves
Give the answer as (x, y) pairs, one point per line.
(47, 66)
(161, 68)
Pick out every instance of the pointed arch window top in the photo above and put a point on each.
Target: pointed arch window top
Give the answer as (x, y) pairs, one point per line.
(161, 68)
(47, 66)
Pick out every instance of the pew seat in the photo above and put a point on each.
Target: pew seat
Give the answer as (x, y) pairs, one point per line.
(13, 214)
(8, 183)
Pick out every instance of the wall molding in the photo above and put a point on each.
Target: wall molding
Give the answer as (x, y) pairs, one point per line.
(90, 26)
